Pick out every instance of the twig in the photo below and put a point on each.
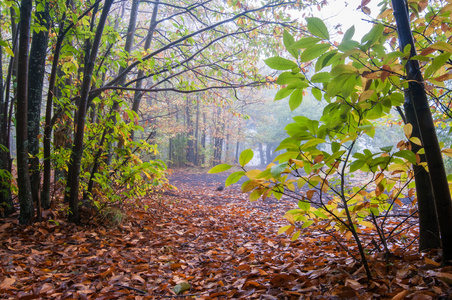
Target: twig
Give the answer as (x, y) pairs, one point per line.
(131, 288)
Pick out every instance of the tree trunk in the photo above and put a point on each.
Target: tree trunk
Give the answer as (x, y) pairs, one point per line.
(268, 153)
(23, 179)
(190, 138)
(203, 139)
(77, 149)
(6, 202)
(433, 154)
(138, 94)
(429, 237)
(196, 161)
(261, 154)
(35, 83)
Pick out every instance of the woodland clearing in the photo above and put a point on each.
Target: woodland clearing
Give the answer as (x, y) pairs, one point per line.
(199, 243)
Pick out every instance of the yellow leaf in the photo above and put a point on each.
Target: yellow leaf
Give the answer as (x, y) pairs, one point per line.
(366, 95)
(290, 218)
(367, 224)
(298, 162)
(443, 46)
(251, 174)
(284, 229)
(416, 140)
(431, 262)
(408, 129)
(447, 152)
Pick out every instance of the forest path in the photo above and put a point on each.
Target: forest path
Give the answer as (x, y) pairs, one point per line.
(214, 244)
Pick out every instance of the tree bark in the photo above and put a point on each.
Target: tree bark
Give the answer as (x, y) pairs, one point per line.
(77, 149)
(424, 117)
(23, 179)
(35, 84)
(6, 202)
(429, 237)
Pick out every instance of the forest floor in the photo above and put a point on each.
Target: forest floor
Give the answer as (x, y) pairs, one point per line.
(199, 243)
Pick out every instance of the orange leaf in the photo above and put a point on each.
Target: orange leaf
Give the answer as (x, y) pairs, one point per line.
(400, 295)
(431, 262)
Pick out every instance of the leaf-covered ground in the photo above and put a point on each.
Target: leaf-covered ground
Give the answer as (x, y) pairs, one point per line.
(200, 243)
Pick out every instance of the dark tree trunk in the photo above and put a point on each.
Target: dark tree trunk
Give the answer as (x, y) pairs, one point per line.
(433, 154)
(6, 203)
(23, 178)
(62, 136)
(35, 83)
(77, 149)
(429, 237)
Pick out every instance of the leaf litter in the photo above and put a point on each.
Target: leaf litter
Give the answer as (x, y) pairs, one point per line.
(201, 242)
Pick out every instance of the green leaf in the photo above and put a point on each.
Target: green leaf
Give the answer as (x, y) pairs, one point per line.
(288, 77)
(305, 43)
(335, 147)
(313, 52)
(245, 157)
(181, 287)
(219, 168)
(374, 34)
(355, 165)
(307, 224)
(279, 63)
(436, 64)
(234, 177)
(283, 93)
(303, 205)
(386, 149)
(321, 77)
(320, 214)
(295, 99)
(312, 142)
(256, 194)
(288, 42)
(318, 28)
(317, 93)
(349, 34)
(407, 154)
(278, 169)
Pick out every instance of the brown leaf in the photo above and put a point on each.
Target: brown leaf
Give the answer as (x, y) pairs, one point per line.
(7, 283)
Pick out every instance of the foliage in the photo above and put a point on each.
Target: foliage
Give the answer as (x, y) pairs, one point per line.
(361, 82)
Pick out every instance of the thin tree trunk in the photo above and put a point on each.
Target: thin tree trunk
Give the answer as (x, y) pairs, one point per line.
(138, 94)
(77, 150)
(6, 203)
(196, 159)
(35, 83)
(23, 178)
(261, 154)
(424, 117)
(203, 139)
